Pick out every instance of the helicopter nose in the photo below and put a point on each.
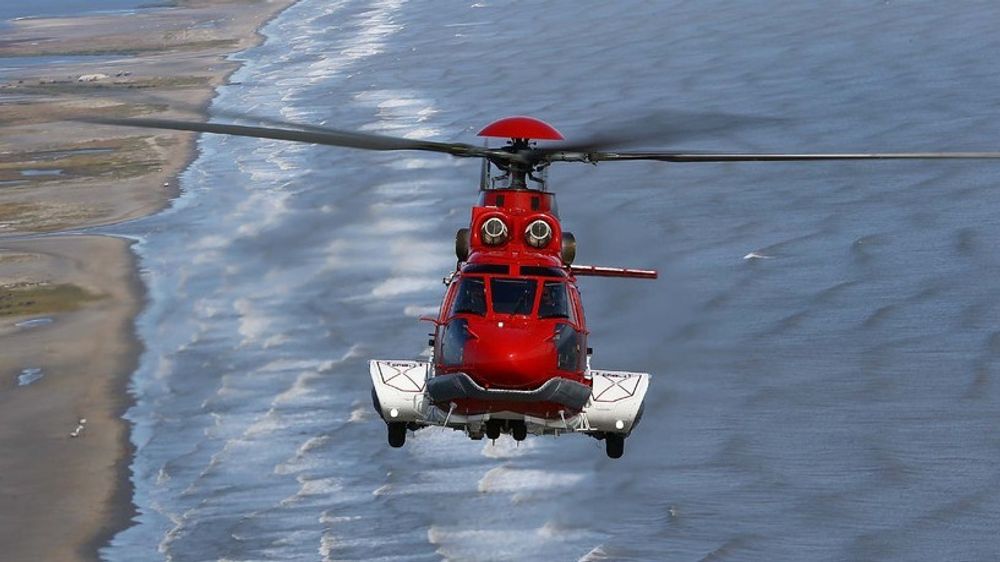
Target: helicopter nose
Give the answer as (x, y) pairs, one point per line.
(509, 357)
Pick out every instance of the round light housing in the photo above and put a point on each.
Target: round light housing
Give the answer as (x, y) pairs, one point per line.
(538, 234)
(494, 231)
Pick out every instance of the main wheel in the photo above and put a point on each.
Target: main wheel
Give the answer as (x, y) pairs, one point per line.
(493, 429)
(397, 434)
(518, 430)
(614, 445)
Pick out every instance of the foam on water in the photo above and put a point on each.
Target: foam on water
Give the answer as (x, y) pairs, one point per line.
(505, 479)
(402, 285)
(506, 447)
(414, 311)
(502, 544)
(303, 460)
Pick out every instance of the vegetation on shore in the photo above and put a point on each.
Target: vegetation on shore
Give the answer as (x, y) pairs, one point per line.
(121, 50)
(114, 159)
(24, 299)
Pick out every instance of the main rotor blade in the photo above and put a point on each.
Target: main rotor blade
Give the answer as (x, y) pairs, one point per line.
(307, 134)
(660, 128)
(762, 157)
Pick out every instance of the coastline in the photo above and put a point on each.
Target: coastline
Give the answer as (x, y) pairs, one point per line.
(84, 345)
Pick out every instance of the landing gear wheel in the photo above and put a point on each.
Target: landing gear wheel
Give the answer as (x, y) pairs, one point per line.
(519, 431)
(493, 429)
(397, 434)
(614, 445)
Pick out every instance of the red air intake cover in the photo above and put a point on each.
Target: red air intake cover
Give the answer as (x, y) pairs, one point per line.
(521, 127)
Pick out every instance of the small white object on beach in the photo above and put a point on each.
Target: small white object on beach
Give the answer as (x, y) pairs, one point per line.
(756, 256)
(79, 428)
(92, 77)
(33, 322)
(29, 376)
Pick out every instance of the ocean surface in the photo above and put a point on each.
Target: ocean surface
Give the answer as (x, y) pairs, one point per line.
(833, 398)
(10, 9)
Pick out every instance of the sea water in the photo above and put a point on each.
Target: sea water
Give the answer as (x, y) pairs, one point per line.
(834, 401)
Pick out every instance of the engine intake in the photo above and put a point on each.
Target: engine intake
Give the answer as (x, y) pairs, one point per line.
(494, 231)
(538, 234)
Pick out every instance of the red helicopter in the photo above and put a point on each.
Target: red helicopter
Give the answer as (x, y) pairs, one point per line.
(510, 352)
(510, 343)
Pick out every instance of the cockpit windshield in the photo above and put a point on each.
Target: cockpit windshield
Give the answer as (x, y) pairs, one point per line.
(513, 296)
(555, 301)
(471, 297)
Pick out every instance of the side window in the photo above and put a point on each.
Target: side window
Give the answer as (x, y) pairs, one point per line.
(471, 297)
(555, 301)
(453, 341)
(448, 302)
(577, 305)
(570, 354)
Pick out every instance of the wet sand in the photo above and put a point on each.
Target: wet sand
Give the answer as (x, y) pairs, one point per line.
(67, 303)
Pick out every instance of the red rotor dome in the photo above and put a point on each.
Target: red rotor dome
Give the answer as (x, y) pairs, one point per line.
(521, 127)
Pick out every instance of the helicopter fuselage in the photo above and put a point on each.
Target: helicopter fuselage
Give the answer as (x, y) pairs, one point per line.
(512, 318)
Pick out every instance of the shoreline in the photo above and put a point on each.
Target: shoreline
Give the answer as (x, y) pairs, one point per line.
(36, 492)
(121, 510)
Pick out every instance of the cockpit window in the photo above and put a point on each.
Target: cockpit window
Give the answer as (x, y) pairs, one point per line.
(471, 297)
(513, 296)
(555, 301)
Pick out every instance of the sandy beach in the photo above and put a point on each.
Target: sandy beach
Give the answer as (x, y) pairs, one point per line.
(68, 302)
(51, 480)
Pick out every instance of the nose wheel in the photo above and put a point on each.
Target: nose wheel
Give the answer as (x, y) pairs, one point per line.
(614, 444)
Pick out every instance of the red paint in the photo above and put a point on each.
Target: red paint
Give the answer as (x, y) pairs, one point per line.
(598, 271)
(513, 351)
(520, 350)
(521, 127)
